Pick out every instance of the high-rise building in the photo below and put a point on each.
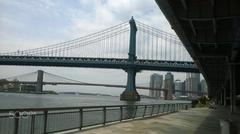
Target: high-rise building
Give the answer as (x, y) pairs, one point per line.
(203, 86)
(184, 87)
(178, 88)
(169, 84)
(156, 81)
(192, 83)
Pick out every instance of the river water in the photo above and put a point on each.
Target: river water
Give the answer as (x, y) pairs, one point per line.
(19, 100)
(70, 119)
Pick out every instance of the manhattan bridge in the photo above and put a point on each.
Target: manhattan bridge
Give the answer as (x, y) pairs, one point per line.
(132, 46)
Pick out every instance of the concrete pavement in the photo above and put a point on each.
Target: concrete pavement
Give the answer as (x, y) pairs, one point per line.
(194, 121)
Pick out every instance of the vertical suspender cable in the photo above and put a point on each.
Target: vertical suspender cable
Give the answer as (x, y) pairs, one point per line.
(152, 51)
(170, 47)
(165, 48)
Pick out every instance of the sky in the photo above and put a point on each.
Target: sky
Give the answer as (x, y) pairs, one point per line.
(26, 24)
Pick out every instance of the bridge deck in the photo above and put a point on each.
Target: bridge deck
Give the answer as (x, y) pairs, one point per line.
(113, 63)
(194, 121)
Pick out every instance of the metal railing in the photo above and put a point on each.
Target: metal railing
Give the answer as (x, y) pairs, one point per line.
(49, 120)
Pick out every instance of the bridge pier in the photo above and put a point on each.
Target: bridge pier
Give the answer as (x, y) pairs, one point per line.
(130, 93)
(39, 85)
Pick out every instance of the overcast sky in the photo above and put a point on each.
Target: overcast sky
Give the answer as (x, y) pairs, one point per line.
(28, 24)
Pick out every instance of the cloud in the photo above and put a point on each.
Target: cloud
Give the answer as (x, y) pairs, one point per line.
(47, 22)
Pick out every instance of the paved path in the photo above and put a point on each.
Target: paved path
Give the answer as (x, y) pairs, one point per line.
(194, 121)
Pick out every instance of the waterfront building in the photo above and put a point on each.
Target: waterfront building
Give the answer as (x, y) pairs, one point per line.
(179, 88)
(156, 81)
(192, 83)
(169, 84)
(184, 87)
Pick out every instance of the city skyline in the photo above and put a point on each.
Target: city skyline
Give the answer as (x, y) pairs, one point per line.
(191, 83)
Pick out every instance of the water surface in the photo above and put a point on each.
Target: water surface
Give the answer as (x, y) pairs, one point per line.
(20, 100)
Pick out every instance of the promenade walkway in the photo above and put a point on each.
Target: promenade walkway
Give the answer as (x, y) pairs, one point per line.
(193, 121)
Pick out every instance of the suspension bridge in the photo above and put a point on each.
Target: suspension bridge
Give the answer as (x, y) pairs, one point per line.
(132, 47)
(40, 78)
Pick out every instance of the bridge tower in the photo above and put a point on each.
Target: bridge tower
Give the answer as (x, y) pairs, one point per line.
(130, 93)
(39, 85)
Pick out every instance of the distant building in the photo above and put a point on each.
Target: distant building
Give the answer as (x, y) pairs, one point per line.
(156, 81)
(169, 84)
(203, 86)
(179, 88)
(184, 87)
(192, 83)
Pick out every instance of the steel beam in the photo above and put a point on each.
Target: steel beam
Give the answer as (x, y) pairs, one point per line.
(207, 18)
(184, 4)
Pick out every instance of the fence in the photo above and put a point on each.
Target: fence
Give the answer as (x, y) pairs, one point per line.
(49, 120)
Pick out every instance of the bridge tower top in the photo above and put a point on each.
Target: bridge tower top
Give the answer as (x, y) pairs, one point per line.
(132, 43)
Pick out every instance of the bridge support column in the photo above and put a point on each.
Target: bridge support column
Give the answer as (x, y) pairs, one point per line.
(232, 88)
(130, 93)
(224, 97)
(39, 85)
(221, 97)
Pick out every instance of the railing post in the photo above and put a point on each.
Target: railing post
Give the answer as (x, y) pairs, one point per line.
(159, 106)
(145, 107)
(136, 107)
(168, 107)
(80, 118)
(152, 110)
(32, 124)
(163, 108)
(121, 113)
(104, 115)
(45, 121)
(16, 125)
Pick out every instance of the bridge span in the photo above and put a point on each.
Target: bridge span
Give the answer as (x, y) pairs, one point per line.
(159, 65)
(132, 47)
